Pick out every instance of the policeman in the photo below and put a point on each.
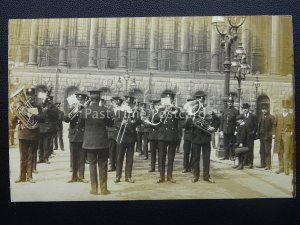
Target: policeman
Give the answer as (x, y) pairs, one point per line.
(59, 129)
(201, 139)
(153, 133)
(227, 127)
(28, 140)
(77, 153)
(167, 137)
(47, 130)
(126, 121)
(94, 119)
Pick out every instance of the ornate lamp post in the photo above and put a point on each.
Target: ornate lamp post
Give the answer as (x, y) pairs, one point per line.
(133, 85)
(119, 85)
(126, 78)
(228, 33)
(240, 68)
(257, 85)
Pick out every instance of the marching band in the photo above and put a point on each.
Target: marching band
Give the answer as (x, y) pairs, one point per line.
(105, 133)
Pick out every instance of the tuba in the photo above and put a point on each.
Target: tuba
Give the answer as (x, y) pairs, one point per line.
(19, 107)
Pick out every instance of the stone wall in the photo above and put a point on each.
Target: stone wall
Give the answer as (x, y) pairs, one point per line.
(152, 84)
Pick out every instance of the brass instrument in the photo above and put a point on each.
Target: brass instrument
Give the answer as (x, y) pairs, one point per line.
(19, 107)
(170, 110)
(77, 108)
(201, 119)
(147, 121)
(127, 109)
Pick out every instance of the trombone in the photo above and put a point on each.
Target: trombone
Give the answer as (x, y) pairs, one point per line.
(124, 123)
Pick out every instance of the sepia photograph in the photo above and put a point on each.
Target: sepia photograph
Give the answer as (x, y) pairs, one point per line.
(151, 108)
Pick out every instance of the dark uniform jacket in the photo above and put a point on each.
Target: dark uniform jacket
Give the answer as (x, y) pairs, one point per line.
(50, 119)
(199, 136)
(111, 129)
(95, 120)
(187, 130)
(130, 132)
(26, 134)
(251, 125)
(266, 127)
(60, 119)
(75, 132)
(241, 135)
(228, 120)
(168, 128)
(153, 130)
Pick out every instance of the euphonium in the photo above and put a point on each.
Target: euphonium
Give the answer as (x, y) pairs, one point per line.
(20, 106)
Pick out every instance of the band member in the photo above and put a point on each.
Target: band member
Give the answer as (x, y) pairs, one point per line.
(240, 140)
(167, 137)
(59, 129)
(251, 126)
(126, 121)
(94, 119)
(145, 129)
(77, 153)
(284, 138)
(201, 138)
(187, 144)
(266, 132)
(140, 131)
(227, 127)
(47, 130)
(153, 134)
(28, 139)
(112, 134)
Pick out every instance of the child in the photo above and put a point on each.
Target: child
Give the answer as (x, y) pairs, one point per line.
(241, 141)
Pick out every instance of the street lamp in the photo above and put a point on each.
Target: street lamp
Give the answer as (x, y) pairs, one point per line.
(119, 85)
(228, 33)
(126, 78)
(240, 68)
(257, 85)
(133, 85)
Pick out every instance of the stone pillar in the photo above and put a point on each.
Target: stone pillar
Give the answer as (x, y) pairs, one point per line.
(275, 45)
(185, 44)
(63, 35)
(34, 31)
(123, 58)
(153, 64)
(214, 50)
(246, 35)
(93, 43)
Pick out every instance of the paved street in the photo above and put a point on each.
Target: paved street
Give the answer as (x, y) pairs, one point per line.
(51, 182)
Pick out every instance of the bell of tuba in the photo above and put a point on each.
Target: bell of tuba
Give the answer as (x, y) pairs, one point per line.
(19, 107)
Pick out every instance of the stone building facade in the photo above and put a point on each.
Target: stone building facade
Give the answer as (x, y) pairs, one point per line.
(181, 54)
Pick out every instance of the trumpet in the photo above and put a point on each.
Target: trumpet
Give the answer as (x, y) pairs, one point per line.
(77, 108)
(170, 110)
(20, 107)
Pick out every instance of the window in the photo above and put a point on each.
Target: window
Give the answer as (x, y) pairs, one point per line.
(111, 32)
(140, 27)
(82, 32)
(168, 41)
(53, 32)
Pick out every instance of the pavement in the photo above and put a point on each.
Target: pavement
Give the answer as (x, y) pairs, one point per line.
(51, 181)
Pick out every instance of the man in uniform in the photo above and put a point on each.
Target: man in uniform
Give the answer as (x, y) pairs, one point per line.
(28, 140)
(227, 127)
(167, 137)
(284, 124)
(47, 130)
(111, 134)
(153, 133)
(250, 121)
(146, 130)
(59, 129)
(94, 119)
(77, 156)
(187, 144)
(266, 132)
(126, 121)
(201, 139)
